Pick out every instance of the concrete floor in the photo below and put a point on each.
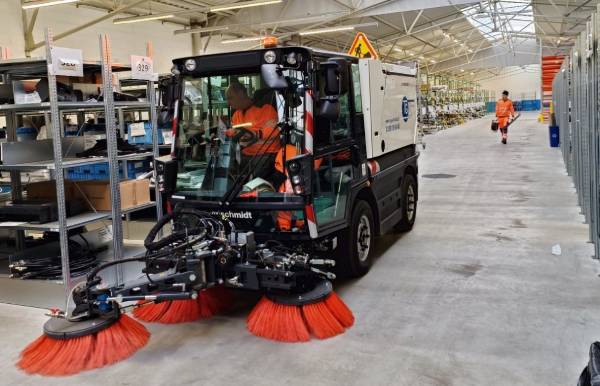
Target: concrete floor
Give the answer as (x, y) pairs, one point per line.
(472, 296)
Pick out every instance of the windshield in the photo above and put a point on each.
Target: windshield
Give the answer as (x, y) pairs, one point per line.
(231, 138)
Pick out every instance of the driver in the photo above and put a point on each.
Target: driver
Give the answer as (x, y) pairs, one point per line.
(264, 127)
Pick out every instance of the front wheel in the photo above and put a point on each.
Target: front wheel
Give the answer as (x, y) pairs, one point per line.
(408, 204)
(354, 253)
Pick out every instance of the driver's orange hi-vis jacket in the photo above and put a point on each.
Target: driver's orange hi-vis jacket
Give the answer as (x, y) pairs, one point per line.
(504, 109)
(264, 123)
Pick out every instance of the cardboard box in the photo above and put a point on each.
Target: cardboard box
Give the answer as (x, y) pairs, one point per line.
(133, 193)
(46, 190)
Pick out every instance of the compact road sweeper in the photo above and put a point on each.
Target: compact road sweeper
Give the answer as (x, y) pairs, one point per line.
(286, 163)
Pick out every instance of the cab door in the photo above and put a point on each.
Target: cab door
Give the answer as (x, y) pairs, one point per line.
(336, 172)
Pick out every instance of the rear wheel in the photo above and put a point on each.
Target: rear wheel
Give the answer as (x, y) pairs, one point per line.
(354, 253)
(408, 204)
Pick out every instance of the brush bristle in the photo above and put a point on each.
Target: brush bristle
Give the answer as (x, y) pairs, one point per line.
(211, 301)
(59, 357)
(340, 310)
(320, 320)
(287, 323)
(278, 322)
(180, 311)
(150, 312)
(214, 300)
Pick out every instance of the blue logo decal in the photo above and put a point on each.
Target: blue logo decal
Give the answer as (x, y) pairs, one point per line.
(405, 109)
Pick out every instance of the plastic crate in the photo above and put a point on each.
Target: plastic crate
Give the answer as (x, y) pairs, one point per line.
(100, 171)
(147, 138)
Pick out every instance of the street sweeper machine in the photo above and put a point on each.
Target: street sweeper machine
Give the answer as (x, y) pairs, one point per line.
(285, 164)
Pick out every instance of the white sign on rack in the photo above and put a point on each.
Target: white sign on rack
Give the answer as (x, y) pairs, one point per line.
(67, 61)
(137, 129)
(142, 68)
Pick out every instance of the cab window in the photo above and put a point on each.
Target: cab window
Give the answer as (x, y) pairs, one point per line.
(356, 88)
(331, 186)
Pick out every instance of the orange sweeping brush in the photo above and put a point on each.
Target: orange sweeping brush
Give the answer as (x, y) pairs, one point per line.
(68, 348)
(287, 318)
(208, 303)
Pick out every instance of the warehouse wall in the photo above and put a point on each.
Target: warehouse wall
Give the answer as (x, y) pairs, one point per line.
(522, 83)
(12, 31)
(126, 39)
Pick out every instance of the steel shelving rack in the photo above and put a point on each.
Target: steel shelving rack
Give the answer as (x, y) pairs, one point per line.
(576, 109)
(53, 112)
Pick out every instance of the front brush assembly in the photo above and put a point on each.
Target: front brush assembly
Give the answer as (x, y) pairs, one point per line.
(185, 278)
(69, 347)
(293, 318)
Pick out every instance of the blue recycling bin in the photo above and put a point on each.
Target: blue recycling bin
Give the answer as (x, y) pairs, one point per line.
(554, 136)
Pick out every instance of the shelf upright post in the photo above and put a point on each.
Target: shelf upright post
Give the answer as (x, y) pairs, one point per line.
(15, 176)
(111, 144)
(121, 116)
(58, 167)
(151, 93)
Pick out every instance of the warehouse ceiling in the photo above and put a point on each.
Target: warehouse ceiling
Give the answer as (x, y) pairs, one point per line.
(458, 36)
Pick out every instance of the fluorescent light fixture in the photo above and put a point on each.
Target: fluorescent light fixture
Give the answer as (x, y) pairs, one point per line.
(137, 19)
(432, 61)
(244, 4)
(462, 70)
(224, 7)
(336, 29)
(242, 40)
(327, 30)
(45, 3)
(200, 30)
(421, 57)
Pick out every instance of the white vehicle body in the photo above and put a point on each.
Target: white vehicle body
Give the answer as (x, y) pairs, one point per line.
(389, 101)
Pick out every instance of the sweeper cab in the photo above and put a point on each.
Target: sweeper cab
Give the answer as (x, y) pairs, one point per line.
(285, 164)
(340, 168)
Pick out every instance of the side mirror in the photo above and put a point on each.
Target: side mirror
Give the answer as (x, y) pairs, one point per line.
(167, 90)
(273, 77)
(336, 76)
(166, 174)
(329, 109)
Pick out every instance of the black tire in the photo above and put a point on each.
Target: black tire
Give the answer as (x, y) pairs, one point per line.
(408, 205)
(352, 260)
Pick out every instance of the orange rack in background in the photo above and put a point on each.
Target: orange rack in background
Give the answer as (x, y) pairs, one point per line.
(550, 66)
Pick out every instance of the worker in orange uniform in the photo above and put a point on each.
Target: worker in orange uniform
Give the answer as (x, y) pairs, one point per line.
(262, 123)
(504, 110)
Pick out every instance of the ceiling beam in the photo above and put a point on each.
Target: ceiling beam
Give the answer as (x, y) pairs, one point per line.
(90, 23)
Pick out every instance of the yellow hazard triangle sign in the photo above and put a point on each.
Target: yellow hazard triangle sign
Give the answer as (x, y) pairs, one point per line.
(362, 48)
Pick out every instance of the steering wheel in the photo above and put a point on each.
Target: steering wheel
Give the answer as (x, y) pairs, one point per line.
(245, 137)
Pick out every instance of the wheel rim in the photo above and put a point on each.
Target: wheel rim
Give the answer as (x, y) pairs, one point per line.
(363, 240)
(410, 203)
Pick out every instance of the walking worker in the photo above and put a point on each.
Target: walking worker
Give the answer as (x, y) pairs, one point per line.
(504, 110)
